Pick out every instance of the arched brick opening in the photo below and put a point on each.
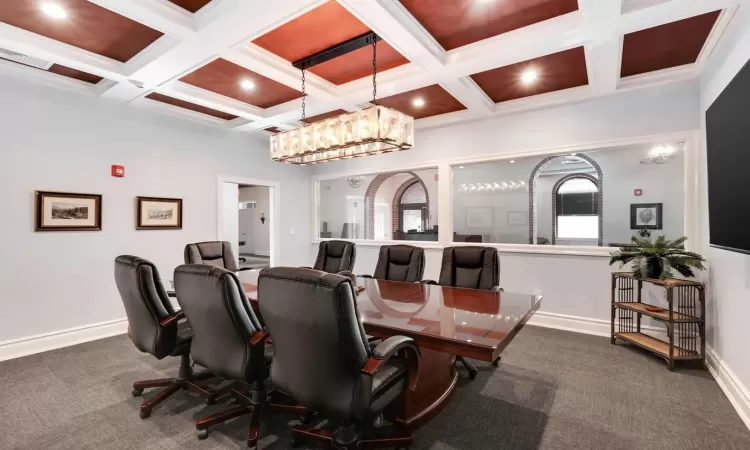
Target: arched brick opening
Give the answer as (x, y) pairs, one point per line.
(532, 195)
(397, 200)
(370, 193)
(556, 187)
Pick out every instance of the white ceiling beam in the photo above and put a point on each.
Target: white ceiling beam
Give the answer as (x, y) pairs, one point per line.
(160, 15)
(541, 39)
(43, 77)
(604, 49)
(671, 11)
(263, 62)
(193, 94)
(41, 47)
(227, 24)
(466, 91)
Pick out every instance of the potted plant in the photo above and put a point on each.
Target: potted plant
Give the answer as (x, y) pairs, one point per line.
(657, 259)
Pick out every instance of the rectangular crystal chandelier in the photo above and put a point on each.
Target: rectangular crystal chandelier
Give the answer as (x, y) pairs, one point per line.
(370, 131)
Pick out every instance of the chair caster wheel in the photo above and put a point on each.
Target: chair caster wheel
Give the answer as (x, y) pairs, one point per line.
(202, 434)
(472, 375)
(145, 412)
(254, 447)
(496, 362)
(137, 392)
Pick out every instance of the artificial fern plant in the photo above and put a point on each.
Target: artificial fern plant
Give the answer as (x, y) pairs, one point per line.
(657, 259)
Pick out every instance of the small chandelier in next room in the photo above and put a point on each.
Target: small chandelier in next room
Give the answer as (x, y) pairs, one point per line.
(369, 131)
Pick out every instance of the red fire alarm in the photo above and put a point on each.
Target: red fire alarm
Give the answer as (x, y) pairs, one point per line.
(118, 171)
(638, 192)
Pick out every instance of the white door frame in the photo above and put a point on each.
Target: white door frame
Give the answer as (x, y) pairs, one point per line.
(274, 214)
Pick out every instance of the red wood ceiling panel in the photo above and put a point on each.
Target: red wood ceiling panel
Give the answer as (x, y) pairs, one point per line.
(455, 23)
(325, 116)
(323, 27)
(191, 106)
(73, 73)
(669, 45)
(436, 101)
(224, 77)
(272, 130)
(191, 5)
(557, 71)
(86, 26)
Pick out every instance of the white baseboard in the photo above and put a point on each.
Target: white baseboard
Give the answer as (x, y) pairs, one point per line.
(576, 324)
(263, 253)
(737, 393)
(17, 348)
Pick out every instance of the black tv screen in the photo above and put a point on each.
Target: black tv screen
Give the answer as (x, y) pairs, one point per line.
(728, 152)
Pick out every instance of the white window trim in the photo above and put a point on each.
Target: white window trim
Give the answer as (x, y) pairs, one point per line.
(445, 194)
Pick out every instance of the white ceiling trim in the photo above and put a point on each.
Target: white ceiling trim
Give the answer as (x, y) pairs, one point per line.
(224, 28)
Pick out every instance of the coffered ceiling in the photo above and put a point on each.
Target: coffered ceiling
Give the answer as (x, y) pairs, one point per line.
(228, 63)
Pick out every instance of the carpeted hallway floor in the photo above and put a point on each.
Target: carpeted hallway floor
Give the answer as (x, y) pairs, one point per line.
(553, 390)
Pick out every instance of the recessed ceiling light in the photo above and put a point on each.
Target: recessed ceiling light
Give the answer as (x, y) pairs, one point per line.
(529, 76)
(54, 10)
(418, 102)
(512, 161)
(573, 154)
(247, 85)
(460, 167)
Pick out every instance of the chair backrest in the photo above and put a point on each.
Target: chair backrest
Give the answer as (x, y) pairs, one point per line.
(214, 253)
(335, 256)
(400, 263)
(470, 267)
(146, 304)
(222, 320)
(319, 343)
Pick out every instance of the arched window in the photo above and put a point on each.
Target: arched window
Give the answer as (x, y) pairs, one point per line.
(412, 208)
(576, 211)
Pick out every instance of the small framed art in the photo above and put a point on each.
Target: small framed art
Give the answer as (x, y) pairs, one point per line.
(645, 215)
(63, 211)
(153, 213)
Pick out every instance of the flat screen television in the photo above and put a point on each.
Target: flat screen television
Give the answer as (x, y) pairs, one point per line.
(728, 151)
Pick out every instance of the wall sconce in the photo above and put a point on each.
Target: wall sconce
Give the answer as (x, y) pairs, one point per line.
(262, 218)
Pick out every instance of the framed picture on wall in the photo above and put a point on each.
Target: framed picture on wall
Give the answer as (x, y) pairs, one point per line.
(62, 211)
(518, 218)
(159, 213)
(479, 217)
(645, 215)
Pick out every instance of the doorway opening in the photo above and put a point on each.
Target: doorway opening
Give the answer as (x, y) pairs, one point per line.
(248, 219)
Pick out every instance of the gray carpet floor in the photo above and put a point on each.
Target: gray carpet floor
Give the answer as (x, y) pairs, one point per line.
(553, 390)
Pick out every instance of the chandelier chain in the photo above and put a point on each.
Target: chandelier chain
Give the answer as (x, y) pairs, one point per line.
(374, 68)
(304, 96)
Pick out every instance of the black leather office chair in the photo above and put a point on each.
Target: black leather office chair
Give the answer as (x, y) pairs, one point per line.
(228, 340)
(336, 256)
(399, 263)
(214, 253)
(474, 268)
(153, 327)
(323, 360)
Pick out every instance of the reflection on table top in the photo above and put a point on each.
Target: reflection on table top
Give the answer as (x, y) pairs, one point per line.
(466, 316)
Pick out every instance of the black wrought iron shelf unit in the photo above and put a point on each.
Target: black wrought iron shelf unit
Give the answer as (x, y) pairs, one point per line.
(683, 317)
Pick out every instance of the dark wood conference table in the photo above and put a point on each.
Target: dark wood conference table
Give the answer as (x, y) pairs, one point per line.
(446, 322)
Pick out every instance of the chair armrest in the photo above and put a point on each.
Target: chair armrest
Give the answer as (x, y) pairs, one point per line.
(429, 282)
(259, 338)
(172, 319)
(389, 348)
(497, 289)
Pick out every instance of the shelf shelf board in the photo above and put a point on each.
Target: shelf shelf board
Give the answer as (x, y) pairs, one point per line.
(669, 282)
(657, 345)
(662, 315)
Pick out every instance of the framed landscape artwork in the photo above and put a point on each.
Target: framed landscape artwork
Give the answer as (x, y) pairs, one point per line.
(61, 211)
(159, 213)
(645, 215)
